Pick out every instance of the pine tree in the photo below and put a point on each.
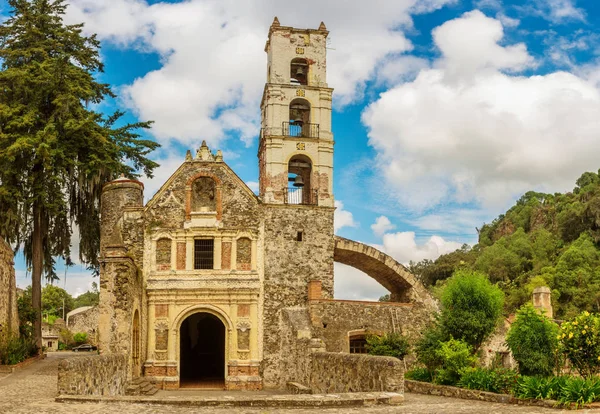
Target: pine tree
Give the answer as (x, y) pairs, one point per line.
(56, 151)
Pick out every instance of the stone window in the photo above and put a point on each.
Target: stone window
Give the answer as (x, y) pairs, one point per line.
(204, 253)
(244, 253)
(358, 344)
(204, 195)
(163, 254)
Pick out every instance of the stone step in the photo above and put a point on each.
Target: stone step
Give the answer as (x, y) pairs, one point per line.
(297, 388)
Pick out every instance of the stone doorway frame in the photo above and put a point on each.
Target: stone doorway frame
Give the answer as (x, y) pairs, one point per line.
(212, 310)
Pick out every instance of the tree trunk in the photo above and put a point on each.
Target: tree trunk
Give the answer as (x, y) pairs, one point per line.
(37, 262)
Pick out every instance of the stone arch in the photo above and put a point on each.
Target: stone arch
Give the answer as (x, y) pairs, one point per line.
(403, 286)
(217, 196)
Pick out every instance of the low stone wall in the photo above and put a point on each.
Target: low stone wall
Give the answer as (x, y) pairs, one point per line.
(93, 375)
(340, 372)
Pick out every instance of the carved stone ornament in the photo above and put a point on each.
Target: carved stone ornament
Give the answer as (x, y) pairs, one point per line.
(161, 331)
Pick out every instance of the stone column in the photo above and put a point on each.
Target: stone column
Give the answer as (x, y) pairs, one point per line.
(542, 300)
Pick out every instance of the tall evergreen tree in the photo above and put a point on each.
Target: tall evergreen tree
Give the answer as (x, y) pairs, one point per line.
(56, 151)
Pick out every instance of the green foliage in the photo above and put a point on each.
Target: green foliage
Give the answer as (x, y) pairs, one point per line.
(419, 374)
(541, 388)
(56, 151)
(427, 346)
(456, 356)
(389, 344)
(80, 338)
(27, 314)
(89, 298)
(385, 298)
(580, 342)
(532, 338)
(502, 381)
(430, 272)
(566, 390)
(471, 308)
(15, 349)
(53, 299)
(580, 391)
(66, 337)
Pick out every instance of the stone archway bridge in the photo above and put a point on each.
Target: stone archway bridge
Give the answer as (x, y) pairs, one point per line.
(392, 275)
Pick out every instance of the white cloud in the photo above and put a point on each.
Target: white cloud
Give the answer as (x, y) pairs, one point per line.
(253, 185)
(488, 4)
(213, 63)
(342, 218)
(467, 132)
(77, 280)
(403, 247)
(352, 284)
(382, 224)
(559, 11)
(507, 21)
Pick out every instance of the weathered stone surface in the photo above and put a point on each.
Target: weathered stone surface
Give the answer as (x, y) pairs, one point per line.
(333, 372)
(9, 318)
(93, 375)
(84, 320)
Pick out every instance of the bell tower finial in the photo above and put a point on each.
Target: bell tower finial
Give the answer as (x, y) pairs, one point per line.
(275, 22)
(322, 26)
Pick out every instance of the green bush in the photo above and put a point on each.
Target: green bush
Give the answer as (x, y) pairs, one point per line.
(427, 346)
(471, 307)
(456, 356)
(80, 338)
(14, 349)
(580, 391)
(419, 374)
(580, 342)
(389, 344)
(532, 339)
(502, 381)
(565, 390)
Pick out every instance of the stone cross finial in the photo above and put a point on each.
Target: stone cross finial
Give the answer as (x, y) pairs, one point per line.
(275, 22)
(322, 26)
(188, 155)
(219, 157)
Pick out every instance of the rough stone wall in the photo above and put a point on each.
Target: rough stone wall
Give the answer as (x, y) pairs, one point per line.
(333, 319)
(9, 318)
(93, 375)
(333, 372)
(288, 267)
(87, 322)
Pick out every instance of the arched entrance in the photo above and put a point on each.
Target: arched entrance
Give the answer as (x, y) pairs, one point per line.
(202, 351)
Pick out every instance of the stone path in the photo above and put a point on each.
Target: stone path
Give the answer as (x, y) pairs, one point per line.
(32, 390)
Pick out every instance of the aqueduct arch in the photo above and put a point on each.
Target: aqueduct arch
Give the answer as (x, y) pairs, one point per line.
(403, 286)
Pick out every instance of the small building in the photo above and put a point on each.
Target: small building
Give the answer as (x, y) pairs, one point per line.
(50, 336)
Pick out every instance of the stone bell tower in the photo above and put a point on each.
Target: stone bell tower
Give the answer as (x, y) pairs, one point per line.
(296, 144)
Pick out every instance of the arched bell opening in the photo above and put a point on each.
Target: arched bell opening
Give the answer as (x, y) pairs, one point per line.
(299, 124)
(299, 190)
(299, 71)
(202, 351)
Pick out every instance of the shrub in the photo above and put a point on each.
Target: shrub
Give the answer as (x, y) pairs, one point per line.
(500, 380)
(532, 338)
(580, 341)
(14, 349)
(471, 307)
(419, 374)
(389, 344)
(80, 338)
(456, 356)
(427, 346)
(579, 391)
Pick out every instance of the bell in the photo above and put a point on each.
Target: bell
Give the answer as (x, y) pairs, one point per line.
(299, 72)
(298, 182)
(298, 119)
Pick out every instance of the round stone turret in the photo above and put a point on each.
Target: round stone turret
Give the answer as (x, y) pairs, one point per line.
(116, 196)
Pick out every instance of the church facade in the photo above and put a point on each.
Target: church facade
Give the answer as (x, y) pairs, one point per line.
(194, 283)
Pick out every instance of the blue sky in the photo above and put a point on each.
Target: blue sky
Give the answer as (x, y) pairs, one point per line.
(446, 111)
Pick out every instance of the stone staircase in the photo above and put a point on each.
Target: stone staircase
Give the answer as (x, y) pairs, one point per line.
(140, 386)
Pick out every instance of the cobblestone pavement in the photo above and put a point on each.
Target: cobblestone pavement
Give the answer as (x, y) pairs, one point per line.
(32, 390)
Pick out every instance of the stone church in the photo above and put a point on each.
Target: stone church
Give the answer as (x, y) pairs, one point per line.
(209, 285)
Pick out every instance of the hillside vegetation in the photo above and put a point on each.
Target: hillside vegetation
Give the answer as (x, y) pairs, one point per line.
(544, 239)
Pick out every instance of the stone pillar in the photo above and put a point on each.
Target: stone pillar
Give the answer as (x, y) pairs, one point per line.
(542, 300)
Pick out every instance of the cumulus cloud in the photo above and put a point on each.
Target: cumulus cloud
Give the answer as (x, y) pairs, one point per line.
(559, 11)
(352, 284)
(487, 137)
(382, 224)
(342, 218)
(213, 66)
(403, 247)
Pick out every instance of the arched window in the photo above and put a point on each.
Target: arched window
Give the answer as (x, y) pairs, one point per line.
(299, 123)
(299, 71)
(244, 253)
(203, 195)
(300, 189)
(163, 254)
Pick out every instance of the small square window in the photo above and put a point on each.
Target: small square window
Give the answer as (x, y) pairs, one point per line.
(300, 236)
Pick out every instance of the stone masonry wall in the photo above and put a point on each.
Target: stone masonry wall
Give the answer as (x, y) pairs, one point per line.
(9, 318)
(87, 322)
(288, 267)
(333, 319)
(333, 372)
(93, 375)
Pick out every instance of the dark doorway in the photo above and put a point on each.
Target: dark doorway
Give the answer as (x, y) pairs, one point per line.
(202, 351)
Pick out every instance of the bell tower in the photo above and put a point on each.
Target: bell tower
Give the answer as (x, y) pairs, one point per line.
(296, 144)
